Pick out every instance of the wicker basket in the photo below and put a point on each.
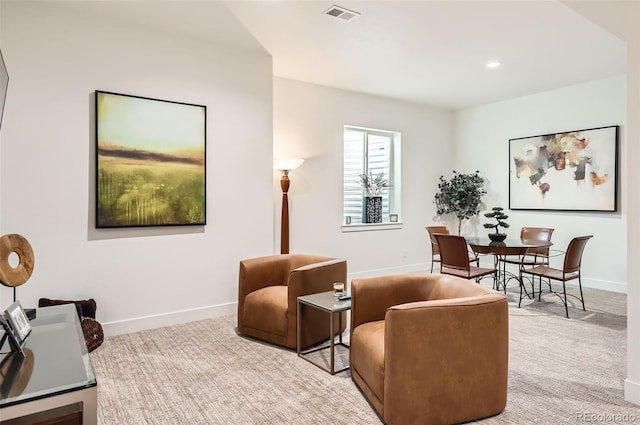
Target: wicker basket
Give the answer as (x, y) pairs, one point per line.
(93, 334)
(91, 328)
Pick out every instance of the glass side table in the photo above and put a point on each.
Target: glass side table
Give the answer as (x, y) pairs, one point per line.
(55, 378)
(324, 301)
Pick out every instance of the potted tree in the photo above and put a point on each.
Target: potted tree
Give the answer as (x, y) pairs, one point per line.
(372, 186)
(500, 217)
(460, 196)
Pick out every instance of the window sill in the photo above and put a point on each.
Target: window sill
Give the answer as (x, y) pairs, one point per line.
(370, 227)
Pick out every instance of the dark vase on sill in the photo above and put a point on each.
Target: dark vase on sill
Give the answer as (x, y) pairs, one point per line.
(372, 209)
(497, 237)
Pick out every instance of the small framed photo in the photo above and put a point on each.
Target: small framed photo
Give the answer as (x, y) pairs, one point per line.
(14, 344)
(393, 218)
(18, 321)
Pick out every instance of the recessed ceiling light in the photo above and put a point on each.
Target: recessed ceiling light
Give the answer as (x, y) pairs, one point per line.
(493, 64)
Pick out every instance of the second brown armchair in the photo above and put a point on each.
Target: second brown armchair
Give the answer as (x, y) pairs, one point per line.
(268, 290)
(429, 349)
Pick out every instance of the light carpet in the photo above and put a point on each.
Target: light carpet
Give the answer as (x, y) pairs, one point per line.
(561, 371)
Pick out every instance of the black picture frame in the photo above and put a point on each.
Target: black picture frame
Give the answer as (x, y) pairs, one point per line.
(4, 85)
(567, 171)
(9, 335)
(18, 321)
(150, 162)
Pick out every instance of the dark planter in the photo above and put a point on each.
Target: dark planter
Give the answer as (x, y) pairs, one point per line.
(372, 209)
(497, 237)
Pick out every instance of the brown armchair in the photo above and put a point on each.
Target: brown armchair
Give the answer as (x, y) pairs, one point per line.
(429, 349)
(268, 289)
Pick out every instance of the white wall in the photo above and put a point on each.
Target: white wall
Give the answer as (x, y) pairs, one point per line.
(482, 142)
(632, 382)
(56, 60)
(308, 123)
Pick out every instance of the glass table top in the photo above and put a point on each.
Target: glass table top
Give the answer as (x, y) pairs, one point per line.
(483, 245)
(56, 359)
(515, 243)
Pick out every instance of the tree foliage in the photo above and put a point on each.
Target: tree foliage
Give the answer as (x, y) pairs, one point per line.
(460, 196)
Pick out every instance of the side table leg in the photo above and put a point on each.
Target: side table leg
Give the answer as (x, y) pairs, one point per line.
(331, 337)
(298, 329)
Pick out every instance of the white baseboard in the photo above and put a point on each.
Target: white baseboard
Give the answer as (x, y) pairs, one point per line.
(167, 319)
(176, 317)
(409, 268)
(605, 285)
(632, 391)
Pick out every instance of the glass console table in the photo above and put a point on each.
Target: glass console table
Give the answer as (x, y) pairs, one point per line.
(54, 380)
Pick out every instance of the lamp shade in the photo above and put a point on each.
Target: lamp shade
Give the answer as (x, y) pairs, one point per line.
(287, 164)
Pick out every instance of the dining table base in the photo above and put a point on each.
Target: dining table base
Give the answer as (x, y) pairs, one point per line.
(500, 251)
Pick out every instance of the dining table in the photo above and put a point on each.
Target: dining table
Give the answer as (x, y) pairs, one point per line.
(508, 247)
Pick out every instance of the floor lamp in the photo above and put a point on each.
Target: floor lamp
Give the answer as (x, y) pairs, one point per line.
(285, 165)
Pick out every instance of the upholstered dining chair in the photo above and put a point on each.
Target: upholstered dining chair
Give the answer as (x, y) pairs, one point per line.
(454, 259)
(570, 271)
(435, 249)
(429, 348)
(268, 291)
(534, 256)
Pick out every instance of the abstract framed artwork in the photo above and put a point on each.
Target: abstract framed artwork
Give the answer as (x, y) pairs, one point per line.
(571, 171)
(150, 162)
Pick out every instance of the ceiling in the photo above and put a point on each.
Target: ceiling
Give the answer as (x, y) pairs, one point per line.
(429, 52)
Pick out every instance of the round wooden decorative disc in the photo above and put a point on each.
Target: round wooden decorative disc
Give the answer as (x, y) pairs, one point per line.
(15, 276)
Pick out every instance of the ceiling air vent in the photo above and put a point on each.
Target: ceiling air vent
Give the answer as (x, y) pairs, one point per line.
(341, 13)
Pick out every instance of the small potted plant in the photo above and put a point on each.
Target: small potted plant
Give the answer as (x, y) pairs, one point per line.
(372, 201)
(500, 217)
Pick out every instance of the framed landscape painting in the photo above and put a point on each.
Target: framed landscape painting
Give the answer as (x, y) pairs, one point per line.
(150, 162)
(572, 171)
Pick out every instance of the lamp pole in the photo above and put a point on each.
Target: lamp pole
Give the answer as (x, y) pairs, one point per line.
(285, 166)
(284, 223)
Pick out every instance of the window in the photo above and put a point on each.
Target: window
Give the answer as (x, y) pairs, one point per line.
(372, 152)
